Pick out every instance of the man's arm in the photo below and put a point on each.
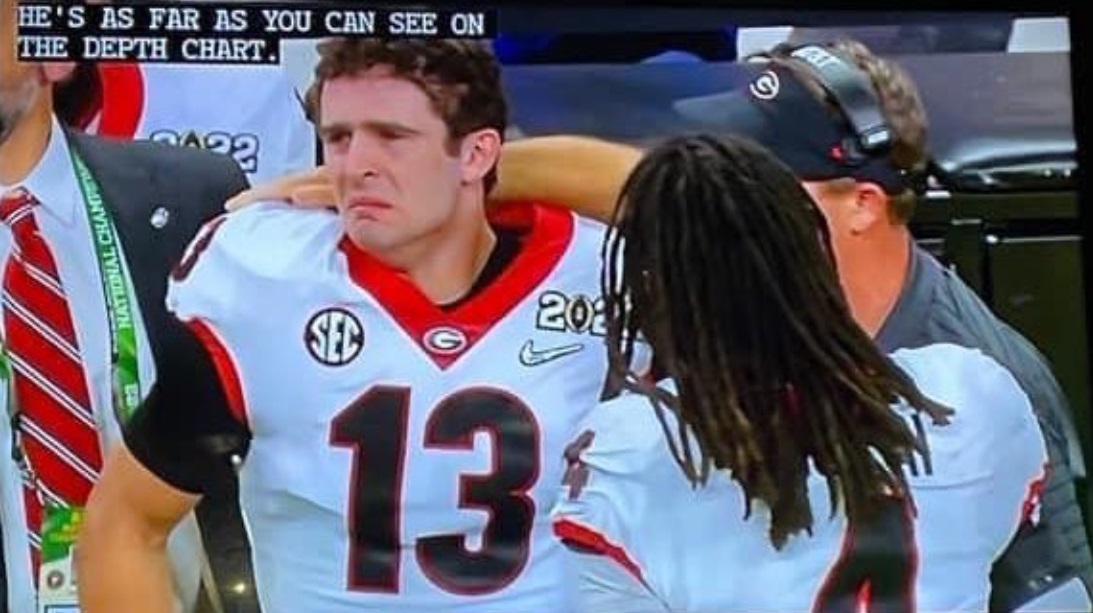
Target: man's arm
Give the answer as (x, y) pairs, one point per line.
(581, 173)
(177, 443)
(121, 560)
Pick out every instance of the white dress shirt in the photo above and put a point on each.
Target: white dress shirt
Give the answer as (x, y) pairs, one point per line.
(62, 219)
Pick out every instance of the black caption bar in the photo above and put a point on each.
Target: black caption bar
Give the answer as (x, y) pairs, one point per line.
(229, 33)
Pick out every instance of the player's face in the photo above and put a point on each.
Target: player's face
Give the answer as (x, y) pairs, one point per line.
(18, 80)
(396, 180)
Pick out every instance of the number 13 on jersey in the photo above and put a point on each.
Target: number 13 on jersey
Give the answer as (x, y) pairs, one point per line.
(375, 428)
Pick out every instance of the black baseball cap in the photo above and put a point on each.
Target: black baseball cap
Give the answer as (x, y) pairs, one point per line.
(776, 110)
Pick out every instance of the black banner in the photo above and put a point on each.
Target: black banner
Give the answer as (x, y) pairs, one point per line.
(229, 33)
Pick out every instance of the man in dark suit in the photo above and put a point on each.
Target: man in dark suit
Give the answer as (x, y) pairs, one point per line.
(89, 231)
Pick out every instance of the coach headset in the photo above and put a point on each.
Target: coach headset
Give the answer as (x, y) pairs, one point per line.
(842, 133)
(855, 99)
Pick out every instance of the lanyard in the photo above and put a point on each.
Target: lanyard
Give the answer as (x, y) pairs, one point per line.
(125, 378)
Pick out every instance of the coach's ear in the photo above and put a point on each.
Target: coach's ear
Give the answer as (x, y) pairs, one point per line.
(870, 207)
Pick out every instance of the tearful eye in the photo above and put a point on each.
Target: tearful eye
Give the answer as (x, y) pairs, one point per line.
(335, 138)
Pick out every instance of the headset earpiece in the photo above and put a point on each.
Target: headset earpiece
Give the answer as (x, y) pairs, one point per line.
(853, 95)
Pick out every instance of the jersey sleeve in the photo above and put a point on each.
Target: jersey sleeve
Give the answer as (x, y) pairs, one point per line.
(194, 417)
(234, 255)
(991, 456)
(184, 431)
(968, 319)
(606, 486)
(1044, 556)
(202, 283)
(201, 392)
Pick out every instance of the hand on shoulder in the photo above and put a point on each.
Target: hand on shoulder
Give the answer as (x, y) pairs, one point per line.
(307, 189)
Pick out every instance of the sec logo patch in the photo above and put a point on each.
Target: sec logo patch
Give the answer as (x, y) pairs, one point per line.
(334, 336)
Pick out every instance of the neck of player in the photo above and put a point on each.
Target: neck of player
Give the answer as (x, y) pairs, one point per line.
(26, 144)
(873, 275)
(446, 264)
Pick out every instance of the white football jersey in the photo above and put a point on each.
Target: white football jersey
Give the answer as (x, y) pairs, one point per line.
(693, 550)
(252, 113)
(404, 457)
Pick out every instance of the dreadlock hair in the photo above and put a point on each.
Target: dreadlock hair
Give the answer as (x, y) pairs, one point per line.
(720, 259)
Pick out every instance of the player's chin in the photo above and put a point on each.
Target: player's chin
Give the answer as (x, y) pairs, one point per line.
(373, 235)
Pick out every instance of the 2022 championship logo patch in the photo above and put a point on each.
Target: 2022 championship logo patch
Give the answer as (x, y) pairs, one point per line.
(243, 147)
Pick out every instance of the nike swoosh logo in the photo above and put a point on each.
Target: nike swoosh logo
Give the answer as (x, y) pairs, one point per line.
(530, 356)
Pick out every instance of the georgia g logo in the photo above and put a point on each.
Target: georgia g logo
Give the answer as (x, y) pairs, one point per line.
(765, 86)
(445, 340)
(334, 336)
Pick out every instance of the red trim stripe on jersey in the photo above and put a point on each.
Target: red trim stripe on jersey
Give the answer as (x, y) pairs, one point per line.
(569, 530)
(122, 99)
(225, 367)
(1030, 506)
(547, 233)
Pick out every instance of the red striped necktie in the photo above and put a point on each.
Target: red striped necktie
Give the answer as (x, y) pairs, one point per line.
(56, 425)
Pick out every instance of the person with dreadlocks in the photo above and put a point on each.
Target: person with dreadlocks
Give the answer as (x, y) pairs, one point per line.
(786, 463)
